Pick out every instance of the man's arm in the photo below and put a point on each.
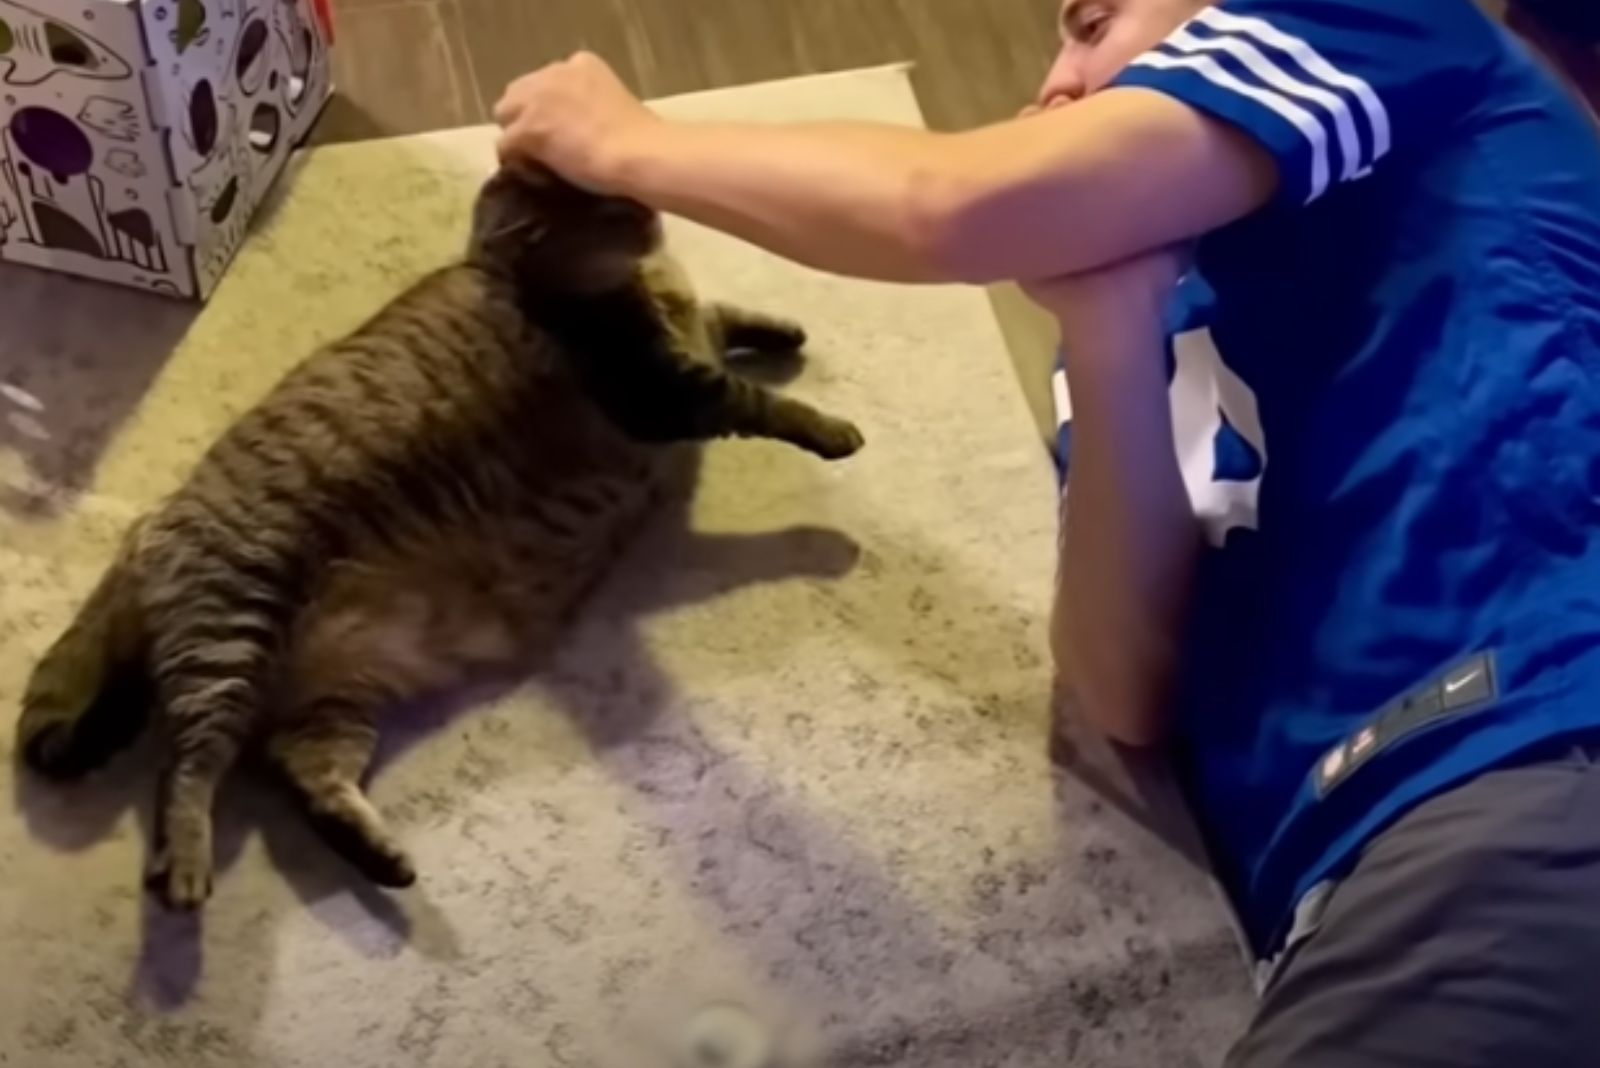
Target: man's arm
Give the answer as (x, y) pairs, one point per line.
(1064, 191)
(1129, 538)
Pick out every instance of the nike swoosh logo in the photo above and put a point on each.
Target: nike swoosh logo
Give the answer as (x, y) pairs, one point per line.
(1456, 684)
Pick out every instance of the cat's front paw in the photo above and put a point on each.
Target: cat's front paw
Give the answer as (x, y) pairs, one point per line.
(182, 880)
(838, 439)
(752, 331)
(778, 337)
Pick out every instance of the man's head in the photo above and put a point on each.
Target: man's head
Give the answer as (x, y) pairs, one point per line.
(1100, 37)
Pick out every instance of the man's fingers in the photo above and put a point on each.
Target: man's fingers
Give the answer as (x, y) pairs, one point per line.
(555, 113)
(513, 100)
(507, 149)
(518, 142)
(518, 94)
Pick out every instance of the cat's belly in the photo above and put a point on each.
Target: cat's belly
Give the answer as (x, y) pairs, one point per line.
(475, 597)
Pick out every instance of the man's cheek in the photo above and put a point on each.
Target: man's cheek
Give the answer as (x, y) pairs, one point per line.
(1113, 55)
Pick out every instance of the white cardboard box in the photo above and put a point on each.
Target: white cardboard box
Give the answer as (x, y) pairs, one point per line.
(138, 136)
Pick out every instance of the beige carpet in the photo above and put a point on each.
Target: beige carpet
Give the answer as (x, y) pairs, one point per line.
(797, 756)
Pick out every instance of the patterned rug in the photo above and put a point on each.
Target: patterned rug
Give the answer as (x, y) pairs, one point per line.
(789, 795)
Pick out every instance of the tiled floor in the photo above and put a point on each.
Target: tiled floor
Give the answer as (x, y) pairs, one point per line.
(405, 66)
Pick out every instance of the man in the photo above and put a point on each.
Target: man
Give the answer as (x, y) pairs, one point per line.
(1339, 540)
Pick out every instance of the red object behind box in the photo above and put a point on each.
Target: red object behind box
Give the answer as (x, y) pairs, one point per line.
(324, 10)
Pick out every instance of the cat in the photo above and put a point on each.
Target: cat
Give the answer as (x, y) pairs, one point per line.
(414, 509)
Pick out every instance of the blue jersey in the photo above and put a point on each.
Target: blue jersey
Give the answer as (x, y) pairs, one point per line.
(1386, 398)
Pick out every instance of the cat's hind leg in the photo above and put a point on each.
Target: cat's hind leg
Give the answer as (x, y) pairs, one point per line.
(380, 635)
(213, 650)
(359, 650)
(323, 751)
(210, 700)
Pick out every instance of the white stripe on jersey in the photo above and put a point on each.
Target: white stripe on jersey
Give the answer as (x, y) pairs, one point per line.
(1061, 398)
(1308, 124)
(1258, 64)
(1313, 63)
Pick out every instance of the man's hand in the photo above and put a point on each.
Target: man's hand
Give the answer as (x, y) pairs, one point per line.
(575, 117)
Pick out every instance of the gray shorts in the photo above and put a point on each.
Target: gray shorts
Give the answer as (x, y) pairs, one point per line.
(1468, 936)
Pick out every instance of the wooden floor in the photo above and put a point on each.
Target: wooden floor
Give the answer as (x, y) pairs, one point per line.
(404, 66)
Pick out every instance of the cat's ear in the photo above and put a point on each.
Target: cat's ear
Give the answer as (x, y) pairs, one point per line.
(508, 213)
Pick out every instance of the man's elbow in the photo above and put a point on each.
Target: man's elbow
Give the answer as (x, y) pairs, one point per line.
(939, 207)
(1132, 720)
(1135, 730)
(1129, 707)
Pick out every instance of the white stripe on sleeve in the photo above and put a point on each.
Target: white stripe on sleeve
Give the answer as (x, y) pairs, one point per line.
(1061, 397)
(1257, 63)
(1310, 127)
(1313, 63)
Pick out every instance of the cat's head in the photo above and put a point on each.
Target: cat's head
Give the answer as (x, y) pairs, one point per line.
(553, 235)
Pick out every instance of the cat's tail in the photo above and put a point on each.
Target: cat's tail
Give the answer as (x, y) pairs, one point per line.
(90, 696)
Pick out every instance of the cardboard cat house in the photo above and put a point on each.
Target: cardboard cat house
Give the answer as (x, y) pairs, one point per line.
(137, 137)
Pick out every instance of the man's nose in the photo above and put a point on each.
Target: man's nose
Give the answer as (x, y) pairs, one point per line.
(1064, 84)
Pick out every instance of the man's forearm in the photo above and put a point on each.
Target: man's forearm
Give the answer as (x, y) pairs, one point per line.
(1130, 539)
(848, 198)
(1059, 193)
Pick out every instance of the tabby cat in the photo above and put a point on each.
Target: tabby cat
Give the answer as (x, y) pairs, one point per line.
(413, 509)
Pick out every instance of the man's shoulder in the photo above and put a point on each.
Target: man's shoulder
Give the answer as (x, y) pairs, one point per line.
(1373, 13)
(1330, 89)
(1427, 32)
